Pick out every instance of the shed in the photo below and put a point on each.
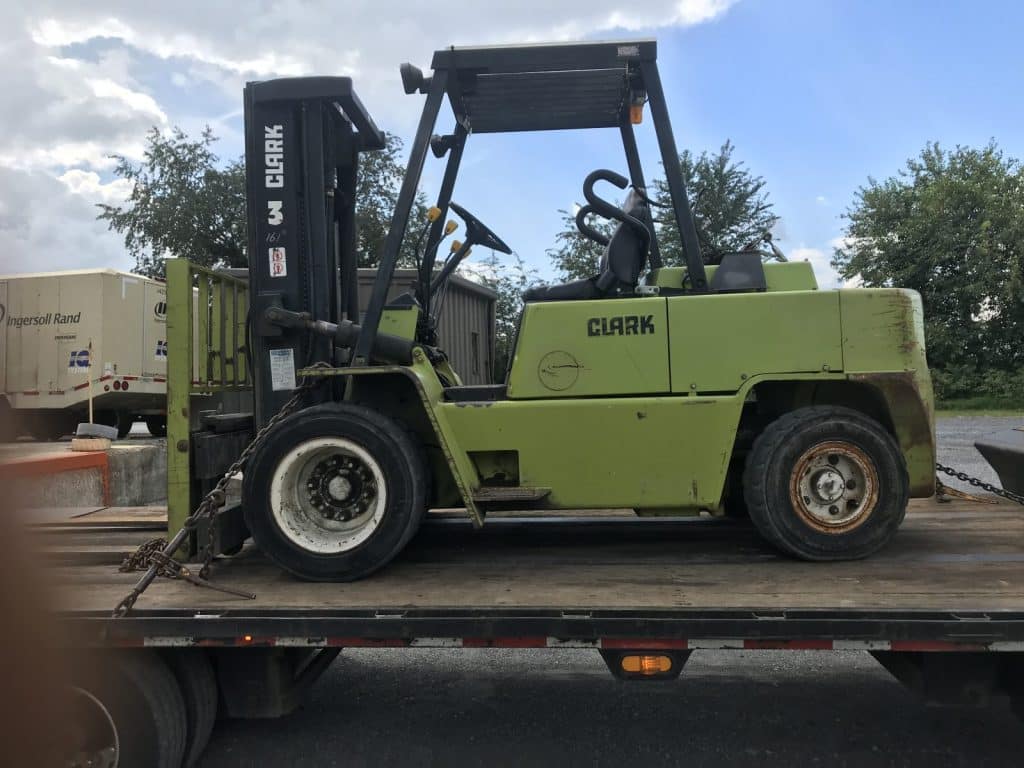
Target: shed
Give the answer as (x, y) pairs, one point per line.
(466, 325)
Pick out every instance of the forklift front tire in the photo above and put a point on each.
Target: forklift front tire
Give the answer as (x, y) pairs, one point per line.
(335, 491)
(826, 483)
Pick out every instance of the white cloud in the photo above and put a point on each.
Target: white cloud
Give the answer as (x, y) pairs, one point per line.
(827, 276)
(88, 185)
(79, 83)
(821, 200)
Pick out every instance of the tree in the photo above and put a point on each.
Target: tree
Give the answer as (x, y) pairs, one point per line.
(575, 255)
(508, 281)
(950, 225)
(182, 203)
(730, 208)
(377, 186)
(185, 202)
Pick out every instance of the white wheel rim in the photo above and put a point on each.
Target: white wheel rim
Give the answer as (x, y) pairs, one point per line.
(301, 497)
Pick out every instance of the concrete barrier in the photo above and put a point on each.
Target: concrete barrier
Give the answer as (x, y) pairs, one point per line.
(50, 475)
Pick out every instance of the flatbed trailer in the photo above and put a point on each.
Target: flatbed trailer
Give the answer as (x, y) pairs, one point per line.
(942, 607)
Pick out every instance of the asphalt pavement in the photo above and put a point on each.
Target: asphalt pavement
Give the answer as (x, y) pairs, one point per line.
(562, 708)
(955, 436)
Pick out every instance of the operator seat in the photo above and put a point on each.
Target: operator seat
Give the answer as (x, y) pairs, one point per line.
(621, 264)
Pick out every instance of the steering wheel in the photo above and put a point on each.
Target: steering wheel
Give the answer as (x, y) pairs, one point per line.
(477, 232)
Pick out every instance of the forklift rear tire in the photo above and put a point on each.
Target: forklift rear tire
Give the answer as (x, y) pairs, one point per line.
(335, 491)
(826, 483)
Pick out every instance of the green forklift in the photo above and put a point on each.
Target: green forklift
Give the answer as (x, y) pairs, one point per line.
(738, 387)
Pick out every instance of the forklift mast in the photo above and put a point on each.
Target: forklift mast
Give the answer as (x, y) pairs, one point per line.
(303, 137)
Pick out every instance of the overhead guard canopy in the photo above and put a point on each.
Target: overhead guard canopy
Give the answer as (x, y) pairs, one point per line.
(496, 89)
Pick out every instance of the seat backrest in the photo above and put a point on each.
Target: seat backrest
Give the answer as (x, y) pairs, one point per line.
(738, 273)
(626, 252)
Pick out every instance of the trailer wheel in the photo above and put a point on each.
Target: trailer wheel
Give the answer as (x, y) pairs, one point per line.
(194, 673)
(47, 427)
(335, 492)
(128, 706)
(8, 425)
(125, 420)
(826, 483)
(157, 425)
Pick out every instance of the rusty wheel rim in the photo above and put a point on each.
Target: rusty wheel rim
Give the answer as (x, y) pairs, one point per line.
(834, 487)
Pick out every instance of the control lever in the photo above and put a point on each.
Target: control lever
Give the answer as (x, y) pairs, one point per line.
(461, 251)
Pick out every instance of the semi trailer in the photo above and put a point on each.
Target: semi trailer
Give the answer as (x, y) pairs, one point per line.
(66, 337)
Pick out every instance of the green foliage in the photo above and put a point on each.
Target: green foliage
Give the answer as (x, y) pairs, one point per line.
(377, 187)
(182, 203)
(575, 256)
(730, 206)
(994, 387)
(186, 203)
(950, 225)
(508, 280)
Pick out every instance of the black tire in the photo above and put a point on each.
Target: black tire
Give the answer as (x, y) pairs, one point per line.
(790, 448)
(193, 670)
(402, 466)
(47, 427)
(157, 425)
(125, 420)
(144, 702)
(9, 427)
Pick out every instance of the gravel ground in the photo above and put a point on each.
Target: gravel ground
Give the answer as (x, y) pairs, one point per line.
(563, 708)
(955, 436)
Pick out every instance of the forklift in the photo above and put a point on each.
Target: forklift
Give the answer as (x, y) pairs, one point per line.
(739, 387)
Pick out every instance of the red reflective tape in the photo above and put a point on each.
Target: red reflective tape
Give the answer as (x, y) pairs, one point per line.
(159, 380)
(635, 644)
(30, 392)
(505, 642)
(367, 642)
(129, 642)
(130, 378)
(787, 645)
(936, 645)
(81, 386)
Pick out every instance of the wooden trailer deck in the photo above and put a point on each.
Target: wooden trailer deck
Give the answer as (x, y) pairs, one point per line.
(956, 557)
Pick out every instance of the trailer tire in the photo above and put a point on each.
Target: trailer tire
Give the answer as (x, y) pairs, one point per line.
(826, 483)
(125, 420)
(8, 422)
(193, 670)
(157, 425)
(143, 700)
(335, 491)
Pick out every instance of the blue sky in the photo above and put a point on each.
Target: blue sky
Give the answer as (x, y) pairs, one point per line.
(816, 96)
